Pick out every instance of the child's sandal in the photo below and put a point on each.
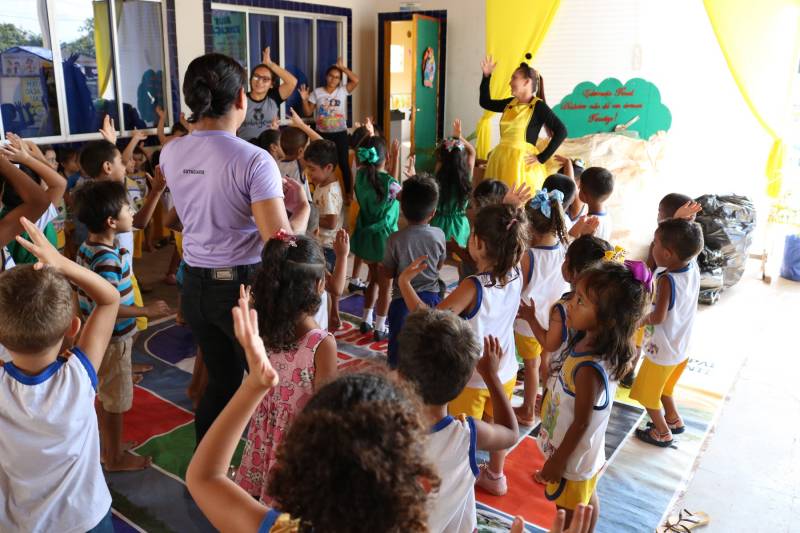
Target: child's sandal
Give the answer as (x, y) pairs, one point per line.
(646, 435)
(684, 522)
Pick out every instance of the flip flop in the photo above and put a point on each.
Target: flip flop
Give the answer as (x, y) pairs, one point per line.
(645, 435)
(684, 522)
(674, 429)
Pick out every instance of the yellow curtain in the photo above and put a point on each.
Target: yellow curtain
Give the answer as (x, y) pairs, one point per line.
(513, 29)
(102, 42)
(761, 44)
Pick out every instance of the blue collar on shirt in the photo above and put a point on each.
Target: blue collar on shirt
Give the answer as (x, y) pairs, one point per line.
(441, 424)
(26, 379)
(553, 247)
(684, 269)
(600, 214)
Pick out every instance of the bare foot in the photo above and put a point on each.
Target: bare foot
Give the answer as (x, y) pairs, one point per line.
(126, 446)
(141, 368)
(334, 324)
(128, 462)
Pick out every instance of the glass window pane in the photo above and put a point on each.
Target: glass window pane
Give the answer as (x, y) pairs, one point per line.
(228, 29)
(328, 32)
(299, 56)
(141, 56)
(263, 33)
(28, 103)
(84, 35)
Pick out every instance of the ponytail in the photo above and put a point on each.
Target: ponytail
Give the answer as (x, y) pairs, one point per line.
(503, 230)
(546, 214)
(371, 155)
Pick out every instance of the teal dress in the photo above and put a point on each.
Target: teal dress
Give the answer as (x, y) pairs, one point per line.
(377, 217)
(451, 218)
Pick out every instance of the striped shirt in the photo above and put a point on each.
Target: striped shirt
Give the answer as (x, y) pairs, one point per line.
(113, 265)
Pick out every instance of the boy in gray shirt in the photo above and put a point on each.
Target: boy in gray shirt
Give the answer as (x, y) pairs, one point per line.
(418, 202)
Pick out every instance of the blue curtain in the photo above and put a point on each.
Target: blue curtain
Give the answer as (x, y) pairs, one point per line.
(327, 47)
(297, 39)
(263, 32)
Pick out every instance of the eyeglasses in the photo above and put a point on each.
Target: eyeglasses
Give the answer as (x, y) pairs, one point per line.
(261, 79)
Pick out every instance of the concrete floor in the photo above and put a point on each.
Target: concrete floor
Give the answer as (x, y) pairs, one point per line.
(749, 477)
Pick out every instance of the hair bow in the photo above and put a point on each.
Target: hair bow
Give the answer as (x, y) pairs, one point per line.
(640, 273)
(617, 255)
(452, 144)
(285, 236)
(541, 200)
(368, 155)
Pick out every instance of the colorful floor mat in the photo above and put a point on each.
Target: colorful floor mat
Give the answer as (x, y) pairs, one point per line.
(637, 487)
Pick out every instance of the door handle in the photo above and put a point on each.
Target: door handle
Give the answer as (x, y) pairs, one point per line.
(419, 109)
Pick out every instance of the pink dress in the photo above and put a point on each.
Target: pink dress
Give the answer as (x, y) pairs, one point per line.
(275, 413)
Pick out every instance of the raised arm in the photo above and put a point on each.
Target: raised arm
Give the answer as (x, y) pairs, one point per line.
(352, 79)
(298, 122)
(34, 199)
(162, 137)
(341, 247)
(467, 146)
(289, 81)
(157, 185)
(498, 106)
(504, 431)
(305, 94)
(23, 154)
(136, 137)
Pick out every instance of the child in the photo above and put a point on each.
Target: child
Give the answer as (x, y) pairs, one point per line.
(286, 293)
(438, 354)
(357, 138)
(488, 302)
(376, 192)
(49, 450)
(418, 202)
(178, 130)
(673, 205)
(103, 206)
(596, 187)
(669, 328)
(454, 175)
(604, 310)
(359, 439)
(572, 169)
(543, 263)
(270, 140)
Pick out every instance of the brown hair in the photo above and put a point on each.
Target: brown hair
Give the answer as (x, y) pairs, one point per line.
(552, 225)
(360, 439)
(503, 230)
(36, 308)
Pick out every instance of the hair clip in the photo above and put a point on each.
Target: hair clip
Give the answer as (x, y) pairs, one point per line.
(641, 273)
(511, 223)
(284, 236)
(617, 255)
(541, 200)
(452, 143)
(368, 155)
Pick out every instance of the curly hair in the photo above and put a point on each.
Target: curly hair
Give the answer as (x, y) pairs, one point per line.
(285, 288)
(620, 302)
(360, 439)
(503, 230)
(453, 176)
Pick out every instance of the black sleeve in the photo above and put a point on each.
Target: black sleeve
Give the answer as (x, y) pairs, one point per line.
(542, 114)
(486, 102)
(274, 94)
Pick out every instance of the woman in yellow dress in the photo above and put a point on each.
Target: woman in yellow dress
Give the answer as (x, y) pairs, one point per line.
(516, 159)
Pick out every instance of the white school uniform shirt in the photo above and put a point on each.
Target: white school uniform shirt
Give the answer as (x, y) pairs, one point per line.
(545, 284)
(605, 227)
(321, 316)
(50, 474)
(569, 221)
(494, 313)
(450, 448)
(667, 344)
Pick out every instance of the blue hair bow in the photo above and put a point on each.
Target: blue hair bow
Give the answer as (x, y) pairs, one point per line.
(368, 155)
(541, 200)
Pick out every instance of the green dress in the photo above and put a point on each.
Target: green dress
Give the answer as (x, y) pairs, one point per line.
(451, 218)
(377, 217)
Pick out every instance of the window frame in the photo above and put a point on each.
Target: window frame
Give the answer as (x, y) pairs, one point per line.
(281, 14)
(61, 96)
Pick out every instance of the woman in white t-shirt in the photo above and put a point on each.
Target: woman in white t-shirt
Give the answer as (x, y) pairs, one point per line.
(328, 104)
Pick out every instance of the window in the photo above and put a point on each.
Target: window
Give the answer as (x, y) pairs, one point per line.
(303, 43)
(68, 103)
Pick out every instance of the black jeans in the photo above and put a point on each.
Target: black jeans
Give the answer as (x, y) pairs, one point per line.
(206, 305)
(342, 140)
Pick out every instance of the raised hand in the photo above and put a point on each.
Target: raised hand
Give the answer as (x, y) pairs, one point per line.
(488, 65)
(410, 169)
(297, 121)
(457, 128)
(304, 92)
(265, 57)
(341, 244)
(160, 112)
(108, 131)
(518, 195)
(585, 225)
(688, 210)
(16, 150)
(39, 246)
(261, 375)
(158, 182)
(138, 136)
(340, 63)
(411, 271)
(489, 363)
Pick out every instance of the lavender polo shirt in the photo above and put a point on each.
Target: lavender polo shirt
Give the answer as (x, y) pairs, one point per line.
(214, 177)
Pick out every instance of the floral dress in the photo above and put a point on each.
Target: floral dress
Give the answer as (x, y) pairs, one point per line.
(275, 413)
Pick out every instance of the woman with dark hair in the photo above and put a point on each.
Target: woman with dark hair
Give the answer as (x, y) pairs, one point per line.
(229, 195)
(328, 104)
(265, 96)
(516, 159)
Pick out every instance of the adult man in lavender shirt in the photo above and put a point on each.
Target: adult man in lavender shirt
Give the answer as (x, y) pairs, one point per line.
(229, 195)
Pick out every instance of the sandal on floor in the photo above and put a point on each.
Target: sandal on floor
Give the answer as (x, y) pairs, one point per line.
(673, 428)
(646, 435)
(684, 522)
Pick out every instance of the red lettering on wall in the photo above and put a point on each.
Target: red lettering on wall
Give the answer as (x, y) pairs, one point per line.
(589, 93)
(600, 118)
(633, 106)
(571, 105)
(622, 92)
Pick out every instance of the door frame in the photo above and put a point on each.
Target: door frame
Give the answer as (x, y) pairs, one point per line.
(383, 63)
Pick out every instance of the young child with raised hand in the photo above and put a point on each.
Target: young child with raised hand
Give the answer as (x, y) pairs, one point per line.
(286, 293)
(456, 160)
(103, 206)
(604, 311)
(673, 205)
(596, 187)
(542, 262)
(418, 202)
(354, 413)
(669, 328)
(488, 301)
(438, 354)
(50, 472)
(376, 192)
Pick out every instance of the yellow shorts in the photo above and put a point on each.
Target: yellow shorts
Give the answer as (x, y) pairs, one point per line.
(141, 321)
(476, 402)
(527, 347)
(567, 494)
(114, 379)
(654, 381)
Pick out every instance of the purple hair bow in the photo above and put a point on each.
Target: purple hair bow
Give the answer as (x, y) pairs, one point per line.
(640, 272)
